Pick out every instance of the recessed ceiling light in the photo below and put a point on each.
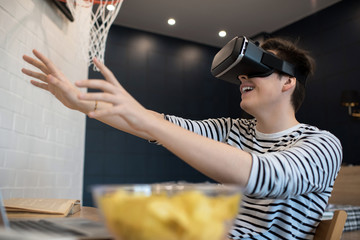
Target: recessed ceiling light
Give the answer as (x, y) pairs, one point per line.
(171, 21)
(222, 33)
(110, 7)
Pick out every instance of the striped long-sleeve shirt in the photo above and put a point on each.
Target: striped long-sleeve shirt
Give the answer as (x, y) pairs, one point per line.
(291, 179)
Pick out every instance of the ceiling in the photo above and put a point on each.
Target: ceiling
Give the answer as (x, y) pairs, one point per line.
(201, 20)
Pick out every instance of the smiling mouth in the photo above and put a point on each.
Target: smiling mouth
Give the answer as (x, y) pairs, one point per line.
(246, 89)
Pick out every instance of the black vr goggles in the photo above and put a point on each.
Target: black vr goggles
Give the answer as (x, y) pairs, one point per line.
(241, 56)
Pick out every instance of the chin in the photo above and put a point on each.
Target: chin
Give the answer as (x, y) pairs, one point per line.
(243, 106)
(246, 108)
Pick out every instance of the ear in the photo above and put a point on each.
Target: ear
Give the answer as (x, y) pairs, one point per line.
(289, 84)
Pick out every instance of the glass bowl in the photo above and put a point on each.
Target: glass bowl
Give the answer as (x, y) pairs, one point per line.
(168, 211)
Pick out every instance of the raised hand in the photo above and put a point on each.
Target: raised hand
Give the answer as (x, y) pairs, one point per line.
(122, 103)
(114, 106)
(54, 81)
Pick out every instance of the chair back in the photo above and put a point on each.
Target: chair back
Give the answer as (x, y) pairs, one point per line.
(331, 229)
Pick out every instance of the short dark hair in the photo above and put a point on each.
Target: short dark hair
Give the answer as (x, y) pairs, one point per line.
(300, 58)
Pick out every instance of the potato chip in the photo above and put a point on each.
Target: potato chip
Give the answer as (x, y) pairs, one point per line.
(187, 215)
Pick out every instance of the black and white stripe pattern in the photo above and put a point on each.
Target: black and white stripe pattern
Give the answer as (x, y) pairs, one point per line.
(291, 179)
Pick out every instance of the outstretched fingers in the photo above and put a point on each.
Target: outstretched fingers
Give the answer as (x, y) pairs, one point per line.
(40, 85)
(45, 84)
(45, 65)
(109, 76)
(37, 75)
(36, 63)
(96, 84)
(99, 96)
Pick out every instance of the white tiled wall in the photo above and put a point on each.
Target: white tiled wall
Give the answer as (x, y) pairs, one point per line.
(41, 141)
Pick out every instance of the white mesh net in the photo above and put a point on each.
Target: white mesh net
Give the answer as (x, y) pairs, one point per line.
(97, 24)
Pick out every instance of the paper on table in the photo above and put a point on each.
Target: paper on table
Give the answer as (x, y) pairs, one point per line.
(41, 205)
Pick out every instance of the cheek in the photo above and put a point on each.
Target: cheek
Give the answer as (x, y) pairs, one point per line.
(269, 91)
(259, 97)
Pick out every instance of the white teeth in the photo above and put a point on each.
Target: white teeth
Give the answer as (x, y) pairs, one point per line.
(247, 89)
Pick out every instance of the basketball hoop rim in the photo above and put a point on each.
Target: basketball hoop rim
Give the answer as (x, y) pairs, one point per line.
(99, 1)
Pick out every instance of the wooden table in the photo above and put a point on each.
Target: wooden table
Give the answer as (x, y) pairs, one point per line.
(353, 235)
(94, 214)
(89, 213)
(347, 192)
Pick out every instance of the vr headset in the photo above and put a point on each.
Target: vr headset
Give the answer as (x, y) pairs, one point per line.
(242, 56)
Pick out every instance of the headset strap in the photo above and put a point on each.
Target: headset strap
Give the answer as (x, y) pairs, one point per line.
(271, 60)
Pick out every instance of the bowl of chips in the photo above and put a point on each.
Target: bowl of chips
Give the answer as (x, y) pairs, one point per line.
(168, 211)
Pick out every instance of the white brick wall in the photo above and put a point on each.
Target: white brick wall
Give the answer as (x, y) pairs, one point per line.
(41, 141)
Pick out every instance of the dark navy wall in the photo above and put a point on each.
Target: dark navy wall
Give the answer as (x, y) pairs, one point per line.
(164, 74)
(172, 76)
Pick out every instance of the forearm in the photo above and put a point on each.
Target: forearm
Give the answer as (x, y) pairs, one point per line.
(217, 160)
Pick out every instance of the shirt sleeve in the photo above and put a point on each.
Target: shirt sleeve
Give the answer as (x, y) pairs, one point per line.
(310, 165)
(215, 128)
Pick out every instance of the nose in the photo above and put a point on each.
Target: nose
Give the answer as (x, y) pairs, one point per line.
(243, 78)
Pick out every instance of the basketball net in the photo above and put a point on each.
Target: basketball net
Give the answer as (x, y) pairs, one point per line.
(97, 25)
